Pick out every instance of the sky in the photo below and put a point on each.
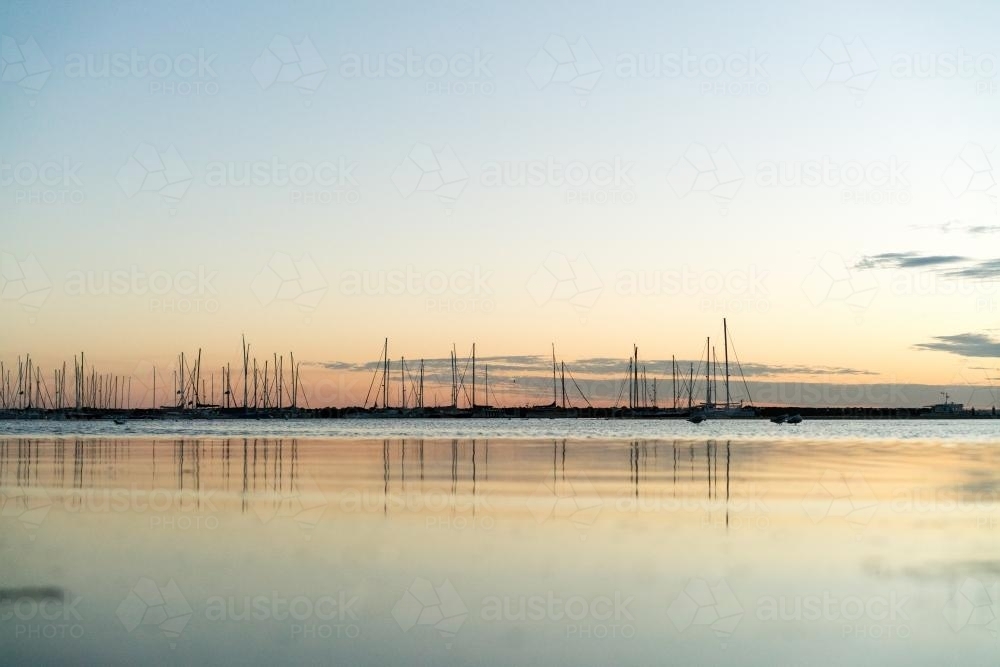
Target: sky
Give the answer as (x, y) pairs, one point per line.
(321, 176)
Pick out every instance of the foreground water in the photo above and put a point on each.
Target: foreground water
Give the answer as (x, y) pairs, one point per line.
(851, 544)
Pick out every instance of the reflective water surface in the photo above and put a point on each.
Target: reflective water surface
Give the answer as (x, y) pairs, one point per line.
(499, 551)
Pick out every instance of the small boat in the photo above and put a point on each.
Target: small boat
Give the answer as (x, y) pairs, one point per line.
(794, 419)
(696, 418)
(121, 422)
(780, 419)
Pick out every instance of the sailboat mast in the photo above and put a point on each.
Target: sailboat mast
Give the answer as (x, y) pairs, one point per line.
(295, 380)
(246, 364)
(454, 379)
(725, 336)
(562, 367)
(554, 374)
(628, 378)
(673, 377)
(708, 369)
(473, 375)
(691, 387)
(715, 374)
(635, 373)
(645, 387)
(198, 395)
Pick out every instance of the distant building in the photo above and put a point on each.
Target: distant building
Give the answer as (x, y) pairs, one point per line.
(947, 408)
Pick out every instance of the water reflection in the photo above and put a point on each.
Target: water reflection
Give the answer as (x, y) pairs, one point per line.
(468, 526)
(271, 467)
(272, 474)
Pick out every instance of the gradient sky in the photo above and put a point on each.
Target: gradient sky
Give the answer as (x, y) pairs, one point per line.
(836, 201)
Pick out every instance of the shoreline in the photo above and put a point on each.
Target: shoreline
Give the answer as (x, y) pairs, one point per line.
(542, 412)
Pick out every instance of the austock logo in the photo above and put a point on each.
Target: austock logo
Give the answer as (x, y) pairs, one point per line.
(870, 182)
(574, 499)
(23, 64)
(859, 616)
(440, 607)
(559, 62)
(841, 495)
(975, 606)
(45, 182)
(426, 170)
(831, 280)
(972, 171)
(731, 74)
(23, 281)
(149, 170)
(702, 604)
(181, 75)
(285, 62)
(835, 62)
(149, 604)
(712, 172)
(286, 279)
(41, 614)
(302, 503)
(28, 506)
(460, 74)
(320, 617)
(562, 279)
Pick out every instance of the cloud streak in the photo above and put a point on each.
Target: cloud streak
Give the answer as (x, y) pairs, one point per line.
(944, 265)
(907, 260)
(985, 270)
(957, 226)
(527, 367)
(965, 345)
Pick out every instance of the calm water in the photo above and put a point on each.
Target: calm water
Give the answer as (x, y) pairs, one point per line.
(577, 429)
(501, 543)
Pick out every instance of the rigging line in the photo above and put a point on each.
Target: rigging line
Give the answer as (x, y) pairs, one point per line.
(621, 389)
(414, 386)
(740, 366)
(492, 391)
(378, 367)
(697, 371)
(461, 380)
(303, 392)
(578, 388)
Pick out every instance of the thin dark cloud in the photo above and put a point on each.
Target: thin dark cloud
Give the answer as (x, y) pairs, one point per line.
(988, 269)
(948, 266)
(528, 367)
(907, 260)
(775, 369)
(965, 345)
(957, 226)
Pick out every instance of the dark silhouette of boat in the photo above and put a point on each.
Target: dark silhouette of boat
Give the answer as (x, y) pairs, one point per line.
(787, 419)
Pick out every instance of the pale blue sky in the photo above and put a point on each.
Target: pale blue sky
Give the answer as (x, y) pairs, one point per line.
(919, 123)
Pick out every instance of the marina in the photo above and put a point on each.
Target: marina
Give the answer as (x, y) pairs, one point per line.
(263, 389)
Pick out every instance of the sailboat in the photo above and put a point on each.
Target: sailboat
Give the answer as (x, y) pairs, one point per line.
(711, 409)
